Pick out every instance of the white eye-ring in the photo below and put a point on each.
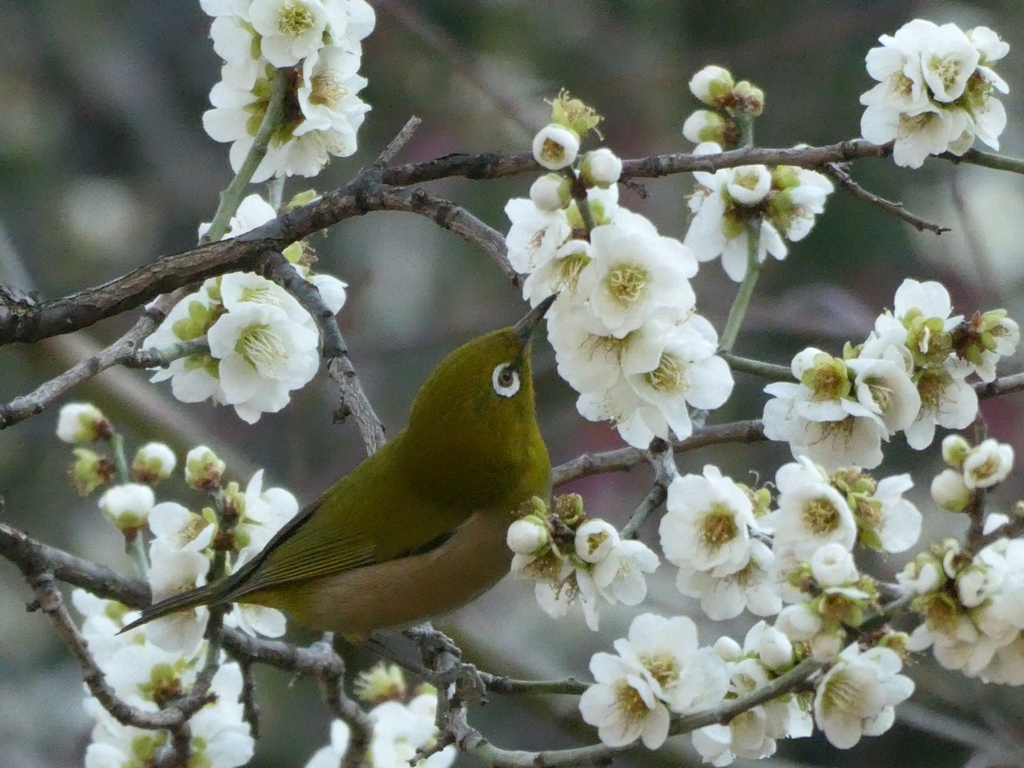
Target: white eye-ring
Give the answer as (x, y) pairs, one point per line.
(505, 380)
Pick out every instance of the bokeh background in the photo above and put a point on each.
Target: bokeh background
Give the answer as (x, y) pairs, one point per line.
(104, 166)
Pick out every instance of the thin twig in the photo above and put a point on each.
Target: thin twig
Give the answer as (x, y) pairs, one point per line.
(398, 143)
(844, 180)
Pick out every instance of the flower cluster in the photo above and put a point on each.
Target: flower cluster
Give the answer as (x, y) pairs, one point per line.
(766, 653)
(149, 678)
(152, 666)
(710, 532)
(972, 605)
(400, 728)
(261, 343)
(315, 46)
(735, 106)
(659, 668)
(774, 206)
(934, 93)
(971, 468)
(624, 327)
(734, 208)
(574, 558)
(909, 375)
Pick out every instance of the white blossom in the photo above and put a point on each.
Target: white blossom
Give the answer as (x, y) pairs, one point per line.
(631, 274)
(622, 704)
(175, 527)
(171, 572)
(857, 696)
(988, 464)
(752, 587)
(810, 514)
(680, 673)
(707, 523)
(555, 146)
(290, 30)
(263, 354)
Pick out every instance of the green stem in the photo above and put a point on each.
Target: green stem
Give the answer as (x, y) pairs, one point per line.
(758, 368)
(124, 474)
(579, 194)
(745, 123)
(742, 301)
(988, 160)
(232, 197)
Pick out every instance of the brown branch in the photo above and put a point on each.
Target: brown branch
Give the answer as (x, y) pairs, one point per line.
(20, 408)
(844, 180)
(23, 321)
(626, 458)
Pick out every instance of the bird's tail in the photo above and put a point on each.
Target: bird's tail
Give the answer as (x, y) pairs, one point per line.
(193, 598)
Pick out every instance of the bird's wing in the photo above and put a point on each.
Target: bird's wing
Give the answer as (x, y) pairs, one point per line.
(370, 516)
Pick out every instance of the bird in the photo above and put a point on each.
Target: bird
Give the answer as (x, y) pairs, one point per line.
(419, 527)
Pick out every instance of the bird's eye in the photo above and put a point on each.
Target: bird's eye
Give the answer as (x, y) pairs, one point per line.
(505, 380)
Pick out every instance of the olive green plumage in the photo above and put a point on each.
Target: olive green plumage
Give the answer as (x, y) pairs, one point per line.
(419, 527)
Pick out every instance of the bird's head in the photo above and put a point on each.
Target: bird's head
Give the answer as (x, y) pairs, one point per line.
(473, 421)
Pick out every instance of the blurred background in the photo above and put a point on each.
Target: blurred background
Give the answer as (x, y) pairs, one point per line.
(104, 166)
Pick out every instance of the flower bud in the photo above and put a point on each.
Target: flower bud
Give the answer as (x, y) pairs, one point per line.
(949, 490)
(550, 192)
(601, 168)
(153, 462)
(82, 423)
(705, 125)
(203, 470)
(712, 84)
(89, 471)
(595, 539)
(555, 147)
(727, 649)
(527, 535)
(955, 449)
(128, 506)
(988, 464)
(798, 622)
(826, 646)
(774, 649)
(749, 98)
(833, 566)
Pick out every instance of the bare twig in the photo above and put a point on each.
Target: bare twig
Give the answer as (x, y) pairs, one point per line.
(126, 347)
(844, 180)
(660, 455)
(398, 143)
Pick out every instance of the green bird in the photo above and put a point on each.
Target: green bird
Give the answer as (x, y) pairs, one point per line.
(419, 527)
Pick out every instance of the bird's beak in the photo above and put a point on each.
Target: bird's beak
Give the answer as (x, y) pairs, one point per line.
(524, 328)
